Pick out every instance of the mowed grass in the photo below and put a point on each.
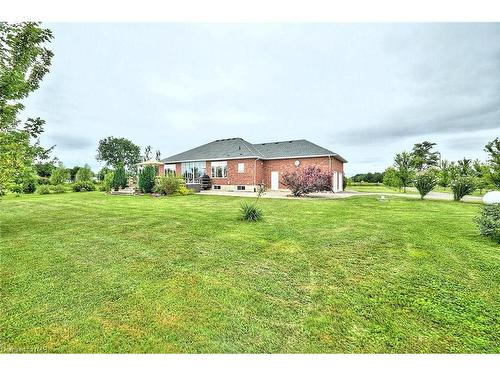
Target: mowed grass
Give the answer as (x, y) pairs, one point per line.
(90, 272)
(372, 188)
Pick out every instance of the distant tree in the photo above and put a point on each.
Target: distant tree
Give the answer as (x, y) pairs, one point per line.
(118, 151)
(403, 163)
(391, 178)
(444, 175)
(102, 173)
(306, 180)
(376, 177)
(481, 174)
(84, 174)
(493, 150)
(158, 155)
(147, 153)
(59, 175)
(423, 157)
(464, 167)
(72, 172)
(45, 169)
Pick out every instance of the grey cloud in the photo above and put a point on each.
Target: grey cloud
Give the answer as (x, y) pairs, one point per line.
(67, 141)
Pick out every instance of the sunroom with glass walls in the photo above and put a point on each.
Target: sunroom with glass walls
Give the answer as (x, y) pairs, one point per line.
(193, 171)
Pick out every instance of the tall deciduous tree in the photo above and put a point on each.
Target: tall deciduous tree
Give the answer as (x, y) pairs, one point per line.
(403, 163)
(423, 155)
(118, 151)
(24, 61)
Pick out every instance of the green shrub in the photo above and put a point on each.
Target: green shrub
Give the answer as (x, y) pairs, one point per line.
(59, 175)
(84, 174)
(424, 182)
(58, 189)
(107, 182)
(43, 180)
(250, 212)
(147, 179)
(81, 186)
(168, 185)
(43, 189)
(119, 178)
(489, 222)
(462, 186)
(184, 190)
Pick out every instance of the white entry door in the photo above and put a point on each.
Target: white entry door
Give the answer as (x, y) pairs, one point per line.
(275, 185)
(341, 182)
(335, 185)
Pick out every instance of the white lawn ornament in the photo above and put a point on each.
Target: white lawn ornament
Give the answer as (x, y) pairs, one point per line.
(493, 197)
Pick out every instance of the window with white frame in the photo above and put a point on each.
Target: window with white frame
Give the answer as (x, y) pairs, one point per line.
(219, 169)
(192, 171)
(241, 167)
(169, 169)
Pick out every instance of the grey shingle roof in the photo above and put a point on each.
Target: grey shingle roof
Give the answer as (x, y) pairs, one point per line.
(235, 148)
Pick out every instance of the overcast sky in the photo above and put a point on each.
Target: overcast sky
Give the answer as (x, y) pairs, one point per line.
(365, 91)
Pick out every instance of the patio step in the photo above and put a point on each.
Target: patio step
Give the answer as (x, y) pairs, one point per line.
(126, 191)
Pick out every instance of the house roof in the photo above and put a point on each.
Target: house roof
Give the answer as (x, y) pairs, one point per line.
(238, 148)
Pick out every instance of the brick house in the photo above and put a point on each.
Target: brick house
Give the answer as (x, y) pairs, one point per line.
(235, 164)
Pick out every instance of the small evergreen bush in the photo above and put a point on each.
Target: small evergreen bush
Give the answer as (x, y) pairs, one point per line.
(488, 222)
(147, 179)
(250, 212)
(462, 186)
(119, 178)
(43, 189)
(81, 186)
(425, 182)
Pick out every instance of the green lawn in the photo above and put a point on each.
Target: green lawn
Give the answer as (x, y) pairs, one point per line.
(90, 272)
(372, 188)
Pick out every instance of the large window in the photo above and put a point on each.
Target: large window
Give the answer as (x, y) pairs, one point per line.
(219, 169)
(192, 171)
(169, 169)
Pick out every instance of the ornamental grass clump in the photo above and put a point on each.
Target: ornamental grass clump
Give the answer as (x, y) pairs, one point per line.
(250, 212)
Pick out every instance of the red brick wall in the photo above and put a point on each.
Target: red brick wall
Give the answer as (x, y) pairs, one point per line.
(259, 171)
(283, 165)
(233, 177)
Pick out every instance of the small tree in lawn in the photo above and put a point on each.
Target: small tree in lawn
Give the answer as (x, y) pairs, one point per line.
(425, 181)
(147, 179)
(119, 178)
(307, 180)
(404, 166)
(462, 186)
